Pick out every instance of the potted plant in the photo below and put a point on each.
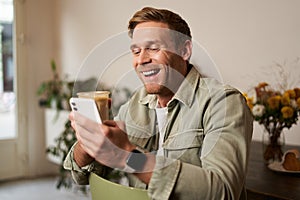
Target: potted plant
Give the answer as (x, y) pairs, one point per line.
(54, 95)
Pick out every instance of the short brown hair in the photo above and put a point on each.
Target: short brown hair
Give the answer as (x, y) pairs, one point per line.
(173, 20)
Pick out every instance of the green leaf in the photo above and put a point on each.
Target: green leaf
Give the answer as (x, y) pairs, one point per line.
(42, 88)
(53, 66)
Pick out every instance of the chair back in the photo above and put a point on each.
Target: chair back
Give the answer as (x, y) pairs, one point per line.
(102, 189)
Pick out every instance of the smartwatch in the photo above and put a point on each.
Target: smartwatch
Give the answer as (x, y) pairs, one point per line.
(136, 160)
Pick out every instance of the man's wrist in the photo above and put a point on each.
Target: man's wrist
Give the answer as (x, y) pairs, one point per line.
(134, 160)
(81, 157)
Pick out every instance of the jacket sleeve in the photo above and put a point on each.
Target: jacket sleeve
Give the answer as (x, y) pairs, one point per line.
(227, 124)
(80, 175)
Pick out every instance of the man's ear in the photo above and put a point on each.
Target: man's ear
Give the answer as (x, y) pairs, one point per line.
(186, 51)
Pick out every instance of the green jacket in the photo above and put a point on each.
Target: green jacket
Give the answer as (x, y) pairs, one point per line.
(206, 145)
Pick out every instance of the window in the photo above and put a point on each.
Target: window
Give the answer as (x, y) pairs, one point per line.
(6, 45)
(7, 95)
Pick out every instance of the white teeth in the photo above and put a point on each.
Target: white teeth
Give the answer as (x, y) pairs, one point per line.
(150, 73)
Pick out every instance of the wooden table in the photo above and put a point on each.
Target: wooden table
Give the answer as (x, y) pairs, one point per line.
(263, 183)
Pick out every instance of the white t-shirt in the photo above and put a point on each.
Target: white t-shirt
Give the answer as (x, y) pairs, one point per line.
(161, 115)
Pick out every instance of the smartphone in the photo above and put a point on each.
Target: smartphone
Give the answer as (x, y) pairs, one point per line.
(85, 107)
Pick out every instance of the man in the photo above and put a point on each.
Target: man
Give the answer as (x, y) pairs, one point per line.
(183, 136)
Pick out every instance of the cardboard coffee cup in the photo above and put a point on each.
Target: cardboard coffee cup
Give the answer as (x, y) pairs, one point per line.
(102, 101)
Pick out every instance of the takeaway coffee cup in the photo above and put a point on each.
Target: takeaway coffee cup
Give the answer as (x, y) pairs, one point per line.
(102, 101)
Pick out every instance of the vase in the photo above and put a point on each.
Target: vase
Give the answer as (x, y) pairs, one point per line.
(273, 146)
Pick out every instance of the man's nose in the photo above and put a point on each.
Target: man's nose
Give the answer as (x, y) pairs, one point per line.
(143, 57)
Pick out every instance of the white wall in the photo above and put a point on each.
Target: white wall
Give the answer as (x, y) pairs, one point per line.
(243, 38)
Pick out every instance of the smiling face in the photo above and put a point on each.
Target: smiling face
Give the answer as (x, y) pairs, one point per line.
(159, 63)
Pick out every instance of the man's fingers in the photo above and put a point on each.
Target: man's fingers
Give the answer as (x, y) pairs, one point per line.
(71, 116)
(112, 123)
(86, 123)
(90, 142)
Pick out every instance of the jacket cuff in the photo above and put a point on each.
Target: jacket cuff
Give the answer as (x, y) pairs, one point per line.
(70, 163)
(163, 178)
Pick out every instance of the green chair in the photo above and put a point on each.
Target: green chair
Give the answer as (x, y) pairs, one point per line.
(102, 189)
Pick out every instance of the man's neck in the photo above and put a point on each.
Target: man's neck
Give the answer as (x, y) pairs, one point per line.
(164, 99)
(162, 102)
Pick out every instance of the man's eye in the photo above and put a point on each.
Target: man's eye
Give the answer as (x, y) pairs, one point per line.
(154, 48)
(135, 51)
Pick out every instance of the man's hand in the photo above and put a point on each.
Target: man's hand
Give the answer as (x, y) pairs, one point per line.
(107, 142)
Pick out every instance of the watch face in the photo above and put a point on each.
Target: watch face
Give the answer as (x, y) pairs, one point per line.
(136, 160)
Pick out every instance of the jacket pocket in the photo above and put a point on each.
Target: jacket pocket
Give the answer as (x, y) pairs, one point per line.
(185, 146)
(183, 140)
